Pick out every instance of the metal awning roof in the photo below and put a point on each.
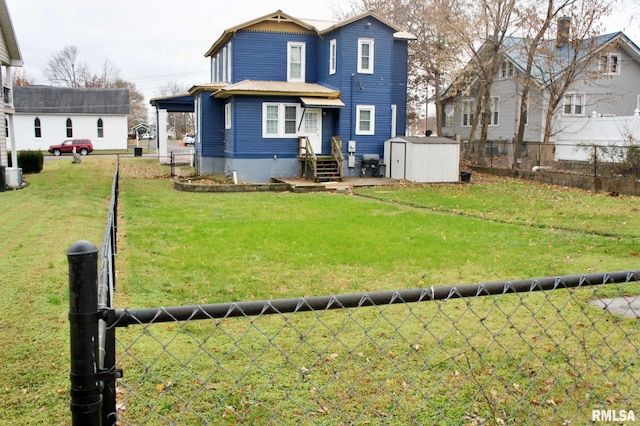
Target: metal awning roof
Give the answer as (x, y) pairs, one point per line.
(322, 102)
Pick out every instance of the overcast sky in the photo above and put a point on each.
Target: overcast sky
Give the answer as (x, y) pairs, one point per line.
(153, 42)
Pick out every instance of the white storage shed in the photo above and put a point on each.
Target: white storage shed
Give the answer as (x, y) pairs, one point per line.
(422, 159)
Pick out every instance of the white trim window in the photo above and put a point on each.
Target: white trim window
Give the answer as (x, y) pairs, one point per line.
(507, 70)
(365, 120)
(638, 103)
(365, 55)
(573, 104)
(224, 63)
(279, 120)
(229, 62)
(609, 64)
(449, 115)
(468, 112)
(227, 115)
(333, 54)
(494, 111)
(296, 61)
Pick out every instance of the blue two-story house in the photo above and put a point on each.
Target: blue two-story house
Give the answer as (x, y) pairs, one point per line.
(291, 97)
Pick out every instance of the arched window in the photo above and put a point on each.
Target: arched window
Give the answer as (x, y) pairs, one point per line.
(69, 128)
(37, 127)
(100, 128)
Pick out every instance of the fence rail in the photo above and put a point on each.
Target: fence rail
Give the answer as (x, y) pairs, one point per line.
(589, 159)
(538, 351)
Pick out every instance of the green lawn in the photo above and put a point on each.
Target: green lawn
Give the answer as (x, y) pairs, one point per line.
(184, 248)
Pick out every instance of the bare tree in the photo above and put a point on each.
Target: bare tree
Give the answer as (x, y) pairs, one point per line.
(432, 57)
(139, 111)
(563, 65)
(21, 77)
(106, 77)
(536, 19)
(489, 21)
(182, 122)
(64, 69)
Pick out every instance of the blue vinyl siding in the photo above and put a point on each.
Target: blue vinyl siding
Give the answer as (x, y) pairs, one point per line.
(399, 88)
(212, 125)
(263, 56)
(364, 89)
(248, 121)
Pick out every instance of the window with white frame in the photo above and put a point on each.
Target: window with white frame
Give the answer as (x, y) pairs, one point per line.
(638, 103)
(279, 120)
(609, 64)
(295, 61)
(507, 70)
(468, 111)
(365, 120)
(448, 115)
(573, 104)
(365, 55)
(333, 54)
(217, 69)
(224, 63)
(227, 115)
(229, 62)
(214, 64)
(494, 111)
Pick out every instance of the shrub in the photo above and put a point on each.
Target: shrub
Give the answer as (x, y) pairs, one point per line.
(30, 161)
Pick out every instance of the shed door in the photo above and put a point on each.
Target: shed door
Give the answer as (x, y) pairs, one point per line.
(312, 128)
(398, 160)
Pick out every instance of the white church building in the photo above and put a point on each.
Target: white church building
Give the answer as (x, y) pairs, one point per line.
(46, 115)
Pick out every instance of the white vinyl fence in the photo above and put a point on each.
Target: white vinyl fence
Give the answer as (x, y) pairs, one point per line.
(575, 136)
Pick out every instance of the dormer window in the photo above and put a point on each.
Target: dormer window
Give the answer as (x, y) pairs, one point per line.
(295, 61)
(609, 64)
(507, 70)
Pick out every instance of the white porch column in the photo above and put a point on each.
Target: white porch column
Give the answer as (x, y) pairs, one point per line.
(161, 134)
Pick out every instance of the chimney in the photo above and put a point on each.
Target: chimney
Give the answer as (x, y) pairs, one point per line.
(564, 26)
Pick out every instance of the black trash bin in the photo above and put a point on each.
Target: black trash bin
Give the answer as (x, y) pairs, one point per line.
(137, 152)
(3, 182)
(465, 176)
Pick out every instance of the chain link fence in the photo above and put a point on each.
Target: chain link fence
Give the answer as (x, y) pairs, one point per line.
(619, 161)
(557, 350)
(493, 353)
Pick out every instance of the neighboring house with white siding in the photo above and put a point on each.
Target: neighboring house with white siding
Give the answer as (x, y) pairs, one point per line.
(46, 115)
(610, 86)
(10, 57)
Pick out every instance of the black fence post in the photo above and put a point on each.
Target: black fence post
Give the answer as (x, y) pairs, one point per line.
(86, 398)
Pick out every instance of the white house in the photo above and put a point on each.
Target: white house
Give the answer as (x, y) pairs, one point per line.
(46, 115)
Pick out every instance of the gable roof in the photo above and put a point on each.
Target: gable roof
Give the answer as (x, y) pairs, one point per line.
(9, 36)
(277, 20)
(65, 100)
(280, 21)
(514, 51)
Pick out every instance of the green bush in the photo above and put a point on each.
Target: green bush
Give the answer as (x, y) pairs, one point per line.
(30, 161)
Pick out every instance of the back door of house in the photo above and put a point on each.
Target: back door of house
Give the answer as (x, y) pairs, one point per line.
(312, 128)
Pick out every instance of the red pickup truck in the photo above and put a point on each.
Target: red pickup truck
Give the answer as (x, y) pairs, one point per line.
(82, 146)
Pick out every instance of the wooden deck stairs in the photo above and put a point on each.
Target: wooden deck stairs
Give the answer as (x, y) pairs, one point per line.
(320, 168)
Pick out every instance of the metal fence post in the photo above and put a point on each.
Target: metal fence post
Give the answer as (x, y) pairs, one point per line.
(86, 398)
